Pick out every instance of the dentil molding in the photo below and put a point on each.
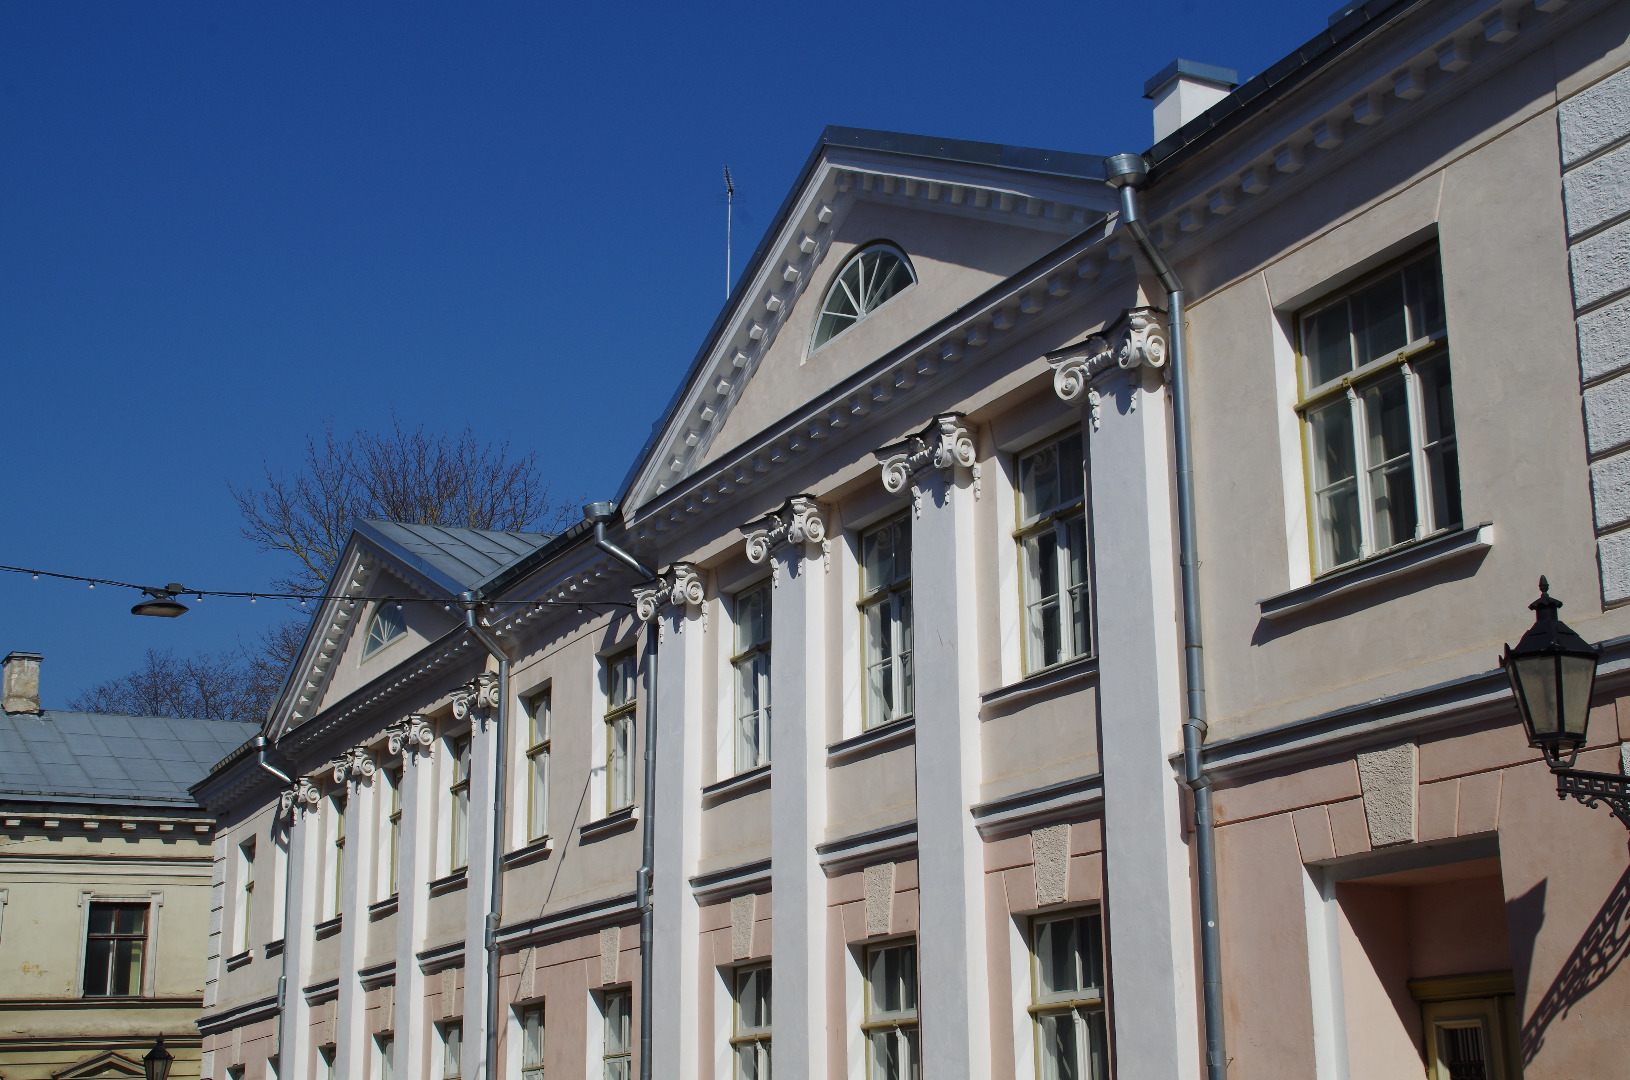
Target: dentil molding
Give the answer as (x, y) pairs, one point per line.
(945, 444)
(1080, 369)
(795, 523)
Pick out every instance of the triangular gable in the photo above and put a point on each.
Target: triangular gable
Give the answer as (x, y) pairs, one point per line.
(107, 1063)
(1044, 196)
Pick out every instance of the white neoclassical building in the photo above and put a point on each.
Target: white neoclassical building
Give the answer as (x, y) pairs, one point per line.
(1051, 632)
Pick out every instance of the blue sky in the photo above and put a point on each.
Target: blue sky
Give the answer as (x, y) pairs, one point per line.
(223, 225)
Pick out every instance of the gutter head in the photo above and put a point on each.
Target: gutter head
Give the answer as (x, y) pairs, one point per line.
(1126, 170)
(600, 513)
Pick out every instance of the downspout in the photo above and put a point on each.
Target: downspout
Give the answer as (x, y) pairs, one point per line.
(1128, 173)
(261, 743)
(495, 904)
(601, 513)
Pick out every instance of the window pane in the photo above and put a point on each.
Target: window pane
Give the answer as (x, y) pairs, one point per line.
(1391, 467)
(539, 796)
(1335, 484)
(618, 1024)
(903, 614)
(1462, 1052)
(1060, 1052)
(1442, 457)
(620, 795)
(1378, 319)
(532, 1043)
(1038, 482)
(130, 919)
(752, 619)
(1423, 286)
(1327, 345)
(1075, 564)
(98, 967)
(1072, 470)
(879, 664)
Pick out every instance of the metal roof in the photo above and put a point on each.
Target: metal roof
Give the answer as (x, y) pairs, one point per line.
(456, 559)
(74, 757)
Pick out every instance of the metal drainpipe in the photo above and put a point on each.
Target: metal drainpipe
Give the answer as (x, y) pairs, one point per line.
(601, 513)
(261, 744)
(1128, 173)
(495, 905)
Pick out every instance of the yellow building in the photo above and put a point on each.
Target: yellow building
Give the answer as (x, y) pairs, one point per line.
(105, 876)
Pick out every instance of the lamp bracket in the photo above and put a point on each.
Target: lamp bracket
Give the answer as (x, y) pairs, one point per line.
(1591, 788)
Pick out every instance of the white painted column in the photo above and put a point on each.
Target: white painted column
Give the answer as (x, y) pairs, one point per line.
(415, 865)
(478, 881)
(951, 947)
(297, 937)
(798, 809)
(350, 1028)
(1148, 910)
(676, 809)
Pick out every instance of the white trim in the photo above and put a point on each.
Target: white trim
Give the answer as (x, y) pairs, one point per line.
(1324, 974)
(1292, 468)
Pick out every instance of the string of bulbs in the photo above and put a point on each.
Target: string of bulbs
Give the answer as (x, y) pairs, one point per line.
(161, 600)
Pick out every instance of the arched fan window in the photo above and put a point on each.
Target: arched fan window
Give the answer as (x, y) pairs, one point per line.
(386, 626)
(865, 284)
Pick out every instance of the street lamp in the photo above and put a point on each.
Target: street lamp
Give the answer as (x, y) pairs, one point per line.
(1552, 672)
(162, 602)
(157, 1062)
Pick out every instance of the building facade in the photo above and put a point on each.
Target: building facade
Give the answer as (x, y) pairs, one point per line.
(911, 591)
(104, 884)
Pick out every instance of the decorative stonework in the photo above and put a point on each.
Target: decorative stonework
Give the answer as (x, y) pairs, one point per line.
(878, 881)
(476, 699)
(409, 735)
(1079, 369)
(1389, 779)
(795, 523)
(355, 765)
(945, 444)
(303, 794)
(1051, 846)
(681, 586)
(743, 913)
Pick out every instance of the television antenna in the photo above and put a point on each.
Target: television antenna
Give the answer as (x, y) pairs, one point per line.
(729, 208)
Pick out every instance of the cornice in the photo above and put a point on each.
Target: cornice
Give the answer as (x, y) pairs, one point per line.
(325, 641)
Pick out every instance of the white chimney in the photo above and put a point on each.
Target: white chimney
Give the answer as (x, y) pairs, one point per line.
(1184, 90)
(20, 684)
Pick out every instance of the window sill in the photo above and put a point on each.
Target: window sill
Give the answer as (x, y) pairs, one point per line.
(1475, 540)
(233, 963)
(884, 737)
(540, 848)
(1039, 682)
(740, 784)
(274, 948)
(385, 907)
(328, 929)
(451, 883)
(613, 822)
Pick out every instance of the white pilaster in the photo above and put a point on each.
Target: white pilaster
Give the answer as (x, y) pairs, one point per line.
(798, 809)
(413, 873)
(350, 1030)
(676, 810)
(298, 1052)
(478, 881)
(1149, 915)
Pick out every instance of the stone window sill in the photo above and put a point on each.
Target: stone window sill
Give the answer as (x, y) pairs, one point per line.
(1353, 580)
(540, 848)
(740, 784)
(1039, 682)
(883, 737)
(233, 963)
(274, 948)
(451, 883)
(615, 821)
(328, 929)
(385, 907)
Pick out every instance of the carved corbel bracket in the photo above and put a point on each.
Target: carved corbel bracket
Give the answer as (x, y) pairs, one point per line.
(476, 699)
(945, 444)
(303, 794)
(355, 765)
(793, 524)
(680, 586)
(1139, 343)
(409, 735)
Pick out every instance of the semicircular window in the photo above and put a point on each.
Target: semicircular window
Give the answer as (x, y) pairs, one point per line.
(386, 626)
(869, 280)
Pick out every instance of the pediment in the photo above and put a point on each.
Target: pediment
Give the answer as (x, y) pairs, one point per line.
(967, 215)
(109, 1063)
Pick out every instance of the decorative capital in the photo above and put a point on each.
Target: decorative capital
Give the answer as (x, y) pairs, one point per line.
(303, 794)
(796, 522)
(1140, 343)
(409, 735)
(681, 586)
(480, 694)
(945, 444)
(355, 765)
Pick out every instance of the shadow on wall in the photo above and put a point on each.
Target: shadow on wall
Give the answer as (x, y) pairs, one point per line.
(1597, 955)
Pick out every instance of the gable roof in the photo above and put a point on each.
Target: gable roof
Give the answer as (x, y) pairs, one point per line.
(1056, 189)
(456, 559)
(106, 759)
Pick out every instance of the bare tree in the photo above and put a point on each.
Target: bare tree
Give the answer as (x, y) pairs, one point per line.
(211, 686)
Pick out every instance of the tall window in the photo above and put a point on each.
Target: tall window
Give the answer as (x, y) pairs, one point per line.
(246, 891)
(750, 1034)
(752, 666)
(452, 1050)
(1068, 1009)
(532, 1043)
(617, 1045)
(458, 790)
(537, 758)
(385, 627)
(891, 1013)
(393, 784)
(620, 699)
(336, 862)
(885, 605)
(385, 1045)
(115, 948)
(1053, 543)
(868, 281)
(1379, 415)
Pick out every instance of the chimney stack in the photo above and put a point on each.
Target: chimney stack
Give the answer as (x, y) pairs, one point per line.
(20, 684)
(1184, 90)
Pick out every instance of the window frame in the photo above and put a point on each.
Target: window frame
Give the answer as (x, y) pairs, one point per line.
(385, 1054)
(246, 892)
(816, 342)
(1417, 355)
(1080, 1005)
(753, 1042)
(896, 594)
(448, 1055)
(144, 939)
(620, 716)
(393, 821)
(900, 1024)
(459, 753)
(338, 801)
(397, 623)
(1058, 520)
(617, 1063)
(539, 738)
(531, 1070)
(756, 656)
